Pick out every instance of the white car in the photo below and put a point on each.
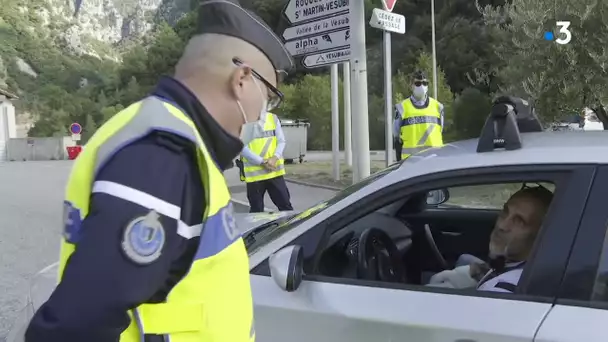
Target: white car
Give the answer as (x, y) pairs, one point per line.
(323, 275)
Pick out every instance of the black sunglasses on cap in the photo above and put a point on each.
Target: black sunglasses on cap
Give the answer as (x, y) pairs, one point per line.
(275, 96)
(419, 83)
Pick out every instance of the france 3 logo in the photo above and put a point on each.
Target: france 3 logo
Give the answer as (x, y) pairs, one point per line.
(563, 36)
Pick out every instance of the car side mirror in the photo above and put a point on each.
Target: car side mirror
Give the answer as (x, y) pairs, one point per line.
(287, 267)
(437, 197)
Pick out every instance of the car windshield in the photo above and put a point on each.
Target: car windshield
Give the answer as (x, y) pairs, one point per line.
(272, 230)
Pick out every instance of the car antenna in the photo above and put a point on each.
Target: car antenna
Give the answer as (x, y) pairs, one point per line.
(510, 116)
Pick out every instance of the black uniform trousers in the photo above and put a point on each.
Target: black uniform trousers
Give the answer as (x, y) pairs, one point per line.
(277, 189)
(398, 147)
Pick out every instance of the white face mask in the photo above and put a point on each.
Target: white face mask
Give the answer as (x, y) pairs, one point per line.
(420, 91)
(247, 127)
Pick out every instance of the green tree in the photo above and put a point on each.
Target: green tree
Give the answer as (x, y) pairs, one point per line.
(132, 93)
(108, 112)
(164, 53)
(313, 101)
(559, 79)
(88, 129)
(471, 108)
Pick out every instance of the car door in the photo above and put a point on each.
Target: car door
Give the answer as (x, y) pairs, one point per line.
(581, 311)
(338, 309)
(324, 311)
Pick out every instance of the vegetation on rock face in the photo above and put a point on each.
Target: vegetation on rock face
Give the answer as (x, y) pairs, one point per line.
(480, 54)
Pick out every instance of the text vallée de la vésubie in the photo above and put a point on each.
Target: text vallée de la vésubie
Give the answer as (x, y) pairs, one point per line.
(314, 27)
(308, 8)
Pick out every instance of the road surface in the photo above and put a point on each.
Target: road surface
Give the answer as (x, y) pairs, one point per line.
(302, 197)
(31, 218)
(327, 155)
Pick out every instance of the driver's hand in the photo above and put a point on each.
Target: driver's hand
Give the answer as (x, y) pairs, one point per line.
(478, 270)
(458, 278)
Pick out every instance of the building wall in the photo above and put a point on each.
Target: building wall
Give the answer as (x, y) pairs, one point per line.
(51, 148)
(8, 127)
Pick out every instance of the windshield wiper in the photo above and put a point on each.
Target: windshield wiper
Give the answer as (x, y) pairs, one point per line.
(250, 235)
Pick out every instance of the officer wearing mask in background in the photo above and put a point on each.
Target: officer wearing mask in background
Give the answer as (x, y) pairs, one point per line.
(263, 166)
(150, 249)
(418, 120)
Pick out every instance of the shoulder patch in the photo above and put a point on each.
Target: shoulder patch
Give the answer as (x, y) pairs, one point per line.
(144, 238)
(229, 223)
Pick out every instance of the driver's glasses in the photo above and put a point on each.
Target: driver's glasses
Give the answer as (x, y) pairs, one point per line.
(275, 96)
(421, 83)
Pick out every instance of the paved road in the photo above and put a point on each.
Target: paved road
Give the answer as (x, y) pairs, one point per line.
(302, 197)
(30, 223)
(327, 155)
(31, 216)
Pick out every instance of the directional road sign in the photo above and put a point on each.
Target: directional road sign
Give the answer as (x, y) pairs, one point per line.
(388, 5)
(320, 43)
(317, 27)
(326, 58)
(298, 11)
(387, 21)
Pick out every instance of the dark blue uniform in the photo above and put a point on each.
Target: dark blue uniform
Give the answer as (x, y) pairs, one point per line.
(100, 283)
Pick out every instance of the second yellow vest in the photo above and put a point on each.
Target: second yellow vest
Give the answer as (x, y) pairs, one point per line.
(420, 128)
(264, 143)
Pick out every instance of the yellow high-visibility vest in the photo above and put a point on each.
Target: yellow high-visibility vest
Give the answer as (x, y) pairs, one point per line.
(213, 302)
(263, 143)
(420, 128)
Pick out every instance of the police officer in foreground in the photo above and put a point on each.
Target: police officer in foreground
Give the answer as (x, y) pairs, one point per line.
(263, 166)
(150, 250)
(418, 120)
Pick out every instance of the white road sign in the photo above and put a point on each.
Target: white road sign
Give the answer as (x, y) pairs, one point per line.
(317, 27)
(387, 21)
(319, 43)
(298, 11)
(326, 58)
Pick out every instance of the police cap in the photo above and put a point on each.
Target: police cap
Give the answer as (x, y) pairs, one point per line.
(419, 75)
(227, 17)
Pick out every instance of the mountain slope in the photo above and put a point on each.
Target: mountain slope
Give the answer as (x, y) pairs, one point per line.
(51, 46)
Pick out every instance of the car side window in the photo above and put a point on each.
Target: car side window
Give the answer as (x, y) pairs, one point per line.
(486, 196)
(600, 287)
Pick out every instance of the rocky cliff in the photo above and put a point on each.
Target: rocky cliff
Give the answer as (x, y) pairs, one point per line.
(98, 27)
(57, 42)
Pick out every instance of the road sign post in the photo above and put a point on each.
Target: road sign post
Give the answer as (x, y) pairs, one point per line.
(359, 90)
(388, 22)
(348, 143)
(335, 121)
(388, 98)
(434, 49)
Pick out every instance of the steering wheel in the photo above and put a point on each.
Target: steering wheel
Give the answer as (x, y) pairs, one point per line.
(378, 258)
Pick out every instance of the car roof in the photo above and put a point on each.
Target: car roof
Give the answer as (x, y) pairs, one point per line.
(566, 147)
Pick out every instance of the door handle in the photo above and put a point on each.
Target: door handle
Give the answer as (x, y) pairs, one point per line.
(453, 234)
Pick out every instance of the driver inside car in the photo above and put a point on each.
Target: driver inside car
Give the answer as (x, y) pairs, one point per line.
(510, 245)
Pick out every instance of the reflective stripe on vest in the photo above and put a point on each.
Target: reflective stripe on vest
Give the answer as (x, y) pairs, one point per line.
(218, 278)
(263, 143)
(420, 128)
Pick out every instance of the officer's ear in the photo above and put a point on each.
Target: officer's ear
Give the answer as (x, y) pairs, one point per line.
(239, 79)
